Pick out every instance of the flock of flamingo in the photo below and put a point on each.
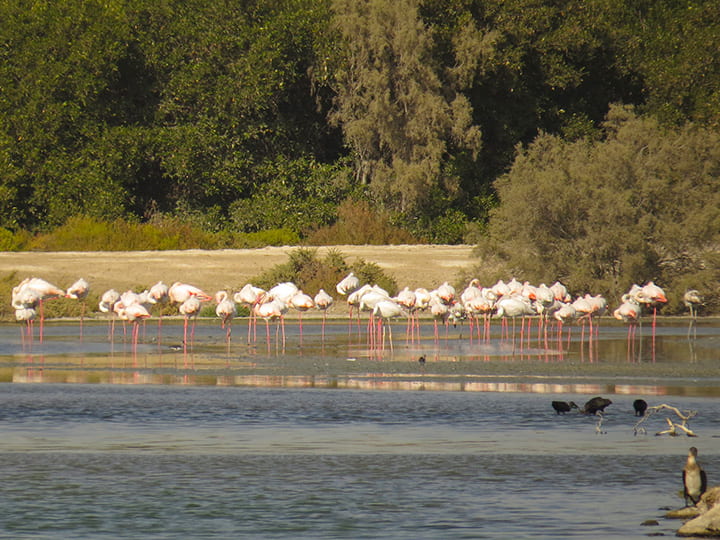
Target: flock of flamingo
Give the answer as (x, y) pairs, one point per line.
(476, 304)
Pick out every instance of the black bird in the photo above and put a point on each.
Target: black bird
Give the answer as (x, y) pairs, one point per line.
(694, 478)
(422, 359)
(595, 404)
(561, 407)
(640, 406)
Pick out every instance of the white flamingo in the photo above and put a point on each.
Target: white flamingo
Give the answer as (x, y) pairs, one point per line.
(249, 296)
(323, 301)
(226, 310)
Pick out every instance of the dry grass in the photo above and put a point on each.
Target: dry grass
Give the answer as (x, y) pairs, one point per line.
(410, 265)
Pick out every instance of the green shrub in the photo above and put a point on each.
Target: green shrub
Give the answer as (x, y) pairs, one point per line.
(272, 237)
(359, 224)
(311, 273)
(10, 241)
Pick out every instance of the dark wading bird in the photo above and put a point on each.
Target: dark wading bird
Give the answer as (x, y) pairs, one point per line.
(561, 407)
(694, 478)
(595, 404)
(640, 406)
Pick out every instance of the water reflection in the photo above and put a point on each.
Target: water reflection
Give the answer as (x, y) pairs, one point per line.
(335, 354)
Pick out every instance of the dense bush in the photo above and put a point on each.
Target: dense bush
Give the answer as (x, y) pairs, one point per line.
(311, 273)
(640, 204)
(359, 224)
(161, 233)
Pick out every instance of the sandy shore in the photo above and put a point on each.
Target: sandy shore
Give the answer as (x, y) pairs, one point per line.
(410, 265)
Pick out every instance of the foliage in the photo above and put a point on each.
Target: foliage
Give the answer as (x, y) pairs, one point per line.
(297, 195)
(358, 224)
(238, 118)
(311, 273)
(398, 116)
(640, 204)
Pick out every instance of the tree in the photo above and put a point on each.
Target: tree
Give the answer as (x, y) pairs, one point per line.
(640, 204)
(398, 117)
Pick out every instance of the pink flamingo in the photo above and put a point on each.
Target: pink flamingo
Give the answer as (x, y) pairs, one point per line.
(272, 309)
(385, 310)
(79, 291)
(323, 301)
(189, 309)
(33, 292)
(249, 296)
(158, 295)
(133, 313)
(407, 299)
(180, 292)
(346, 287)
(226, 310)
(107, 305)
(26, 315)
(565, 314)
(629, 312)
(440, 312)
(301, 302)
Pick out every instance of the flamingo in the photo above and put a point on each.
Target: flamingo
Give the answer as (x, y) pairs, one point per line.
(323, 301)
(652, 296)
(226, 310)
(301, 302)
(385, 310)
(180, 292)
(585, 310)
(272, 309)
(133, 313)
(353, 300)
(158, 294)
(348, 284)
(26, 315)
(564, 314)
(249, 296)
(189, 309)
(107, 305)
(407, 299)
(440, 312)
(629, 312)
(347, 287)
(560, 292)
(368, 299)
(284, 291)
(79, 291)
(693, 300)
(446, 293)
(33, 292)
(500, 289)
(513, 307)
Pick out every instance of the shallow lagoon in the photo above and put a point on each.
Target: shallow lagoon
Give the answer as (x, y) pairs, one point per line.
(266, 441)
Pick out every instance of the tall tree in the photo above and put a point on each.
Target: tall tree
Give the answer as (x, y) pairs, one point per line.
(398, 115)
(640, 204)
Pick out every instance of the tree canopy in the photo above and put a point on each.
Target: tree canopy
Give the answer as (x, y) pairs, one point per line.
(264, 114)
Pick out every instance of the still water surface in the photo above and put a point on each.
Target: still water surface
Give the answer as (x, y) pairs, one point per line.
(266, 441)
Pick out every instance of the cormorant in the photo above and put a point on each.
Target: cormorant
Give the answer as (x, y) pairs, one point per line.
(640, 406)
(561, 407)
(694, 478)
(595, 404)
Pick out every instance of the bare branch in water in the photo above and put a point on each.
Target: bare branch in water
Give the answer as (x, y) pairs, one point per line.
(673, 426)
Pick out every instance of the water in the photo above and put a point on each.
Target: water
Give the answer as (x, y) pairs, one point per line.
(300, 442)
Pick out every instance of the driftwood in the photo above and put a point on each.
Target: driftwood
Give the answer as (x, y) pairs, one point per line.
(673, 426)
